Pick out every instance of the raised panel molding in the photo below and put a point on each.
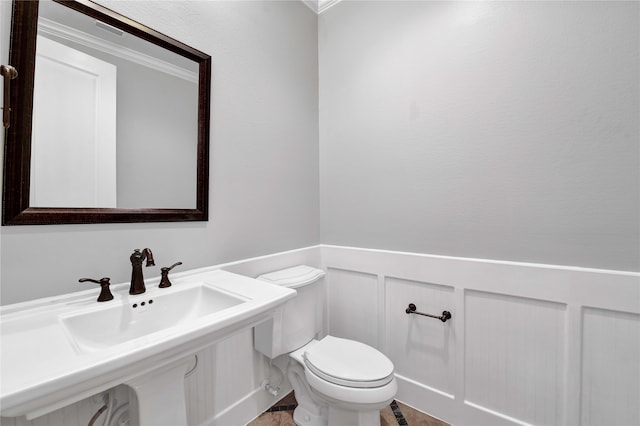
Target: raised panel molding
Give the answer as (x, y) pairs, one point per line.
(610, 368)
(518, 350)
(352, 305)
(422, 348)
(514, 356)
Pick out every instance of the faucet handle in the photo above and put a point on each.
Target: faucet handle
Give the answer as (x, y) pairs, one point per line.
(105, 293)
(164, 281)
(139, 255)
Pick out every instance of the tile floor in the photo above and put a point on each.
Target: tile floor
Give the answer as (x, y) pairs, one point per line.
(397, 414)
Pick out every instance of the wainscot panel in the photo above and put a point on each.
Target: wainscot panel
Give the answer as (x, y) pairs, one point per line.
(526, 344)
(352, 305)
(421, 348)
(514, 357)
(610, 368)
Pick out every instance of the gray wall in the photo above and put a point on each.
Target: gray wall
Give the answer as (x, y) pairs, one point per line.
(159, 156)
(264, 154)
(496, 130)
(504, 130)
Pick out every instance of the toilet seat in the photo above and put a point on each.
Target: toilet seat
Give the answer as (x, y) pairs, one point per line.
(346, 396)
(348, 363)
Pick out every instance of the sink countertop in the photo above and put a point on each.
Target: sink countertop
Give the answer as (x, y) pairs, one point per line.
(41, 368)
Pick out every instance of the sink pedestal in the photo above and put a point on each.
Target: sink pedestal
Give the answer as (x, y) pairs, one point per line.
(160, 395)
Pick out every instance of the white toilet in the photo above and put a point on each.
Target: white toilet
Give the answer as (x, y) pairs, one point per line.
(337, 382)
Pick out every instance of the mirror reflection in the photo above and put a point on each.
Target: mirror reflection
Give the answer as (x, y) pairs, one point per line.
(115, 118)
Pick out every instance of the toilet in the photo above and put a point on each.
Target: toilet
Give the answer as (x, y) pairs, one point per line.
(337, 382)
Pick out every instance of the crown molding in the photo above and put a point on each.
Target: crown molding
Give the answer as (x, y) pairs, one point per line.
(48, 27)
(319, 6)
(326, 4)
(311, 4)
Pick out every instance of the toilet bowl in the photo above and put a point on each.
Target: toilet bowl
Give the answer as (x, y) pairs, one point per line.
(351, 382)
(336, 381)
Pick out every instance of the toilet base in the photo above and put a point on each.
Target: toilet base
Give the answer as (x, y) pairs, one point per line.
(336, 416)
(316, 409)
(304, 417)
(339, 416)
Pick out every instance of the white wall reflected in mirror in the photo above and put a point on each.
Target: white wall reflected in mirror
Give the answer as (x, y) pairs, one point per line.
(134, 147)
(73, 146)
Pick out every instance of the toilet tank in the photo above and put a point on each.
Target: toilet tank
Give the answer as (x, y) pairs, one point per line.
(300, 319)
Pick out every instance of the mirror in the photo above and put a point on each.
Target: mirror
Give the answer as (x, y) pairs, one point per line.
(109, 120)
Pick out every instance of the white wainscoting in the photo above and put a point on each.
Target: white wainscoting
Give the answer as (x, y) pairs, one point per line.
(527, 344)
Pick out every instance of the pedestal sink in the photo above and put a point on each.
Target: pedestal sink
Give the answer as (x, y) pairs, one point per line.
(57, 351)
(98, 328)
(160, 396)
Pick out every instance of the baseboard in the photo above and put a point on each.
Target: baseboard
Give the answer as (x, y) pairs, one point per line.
(414, 394)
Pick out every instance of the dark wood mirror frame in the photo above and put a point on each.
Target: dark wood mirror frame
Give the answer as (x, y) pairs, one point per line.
(17, 149)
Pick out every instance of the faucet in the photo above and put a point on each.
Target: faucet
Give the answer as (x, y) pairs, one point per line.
(164, 272)
(105, 293)
(137, 281)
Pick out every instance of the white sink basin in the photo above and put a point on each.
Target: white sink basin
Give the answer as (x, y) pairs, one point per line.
(109, 325)
(60, 350)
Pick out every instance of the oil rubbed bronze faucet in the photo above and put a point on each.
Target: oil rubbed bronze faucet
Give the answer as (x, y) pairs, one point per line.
(137, 281)
(164, 275)
(105, 293)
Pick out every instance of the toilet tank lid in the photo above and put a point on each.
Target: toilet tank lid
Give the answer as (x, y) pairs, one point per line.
(297, 276)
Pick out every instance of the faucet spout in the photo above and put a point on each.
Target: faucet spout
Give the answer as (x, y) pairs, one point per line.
(137, 280)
